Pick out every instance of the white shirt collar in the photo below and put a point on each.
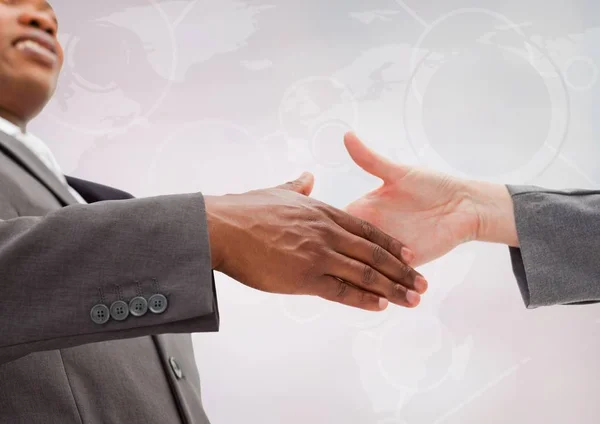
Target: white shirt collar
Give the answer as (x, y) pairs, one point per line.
(37, 146)
(34, 144)
(9, 128)
(40, 149)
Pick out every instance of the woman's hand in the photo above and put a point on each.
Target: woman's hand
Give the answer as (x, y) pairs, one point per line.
(430, 212)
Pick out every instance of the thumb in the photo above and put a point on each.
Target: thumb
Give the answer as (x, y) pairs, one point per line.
(303, 184)
(368, 160)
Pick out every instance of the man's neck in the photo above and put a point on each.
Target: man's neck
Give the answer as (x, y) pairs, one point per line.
(14, 119)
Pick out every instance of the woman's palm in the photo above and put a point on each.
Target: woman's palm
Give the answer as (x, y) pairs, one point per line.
(428, 212)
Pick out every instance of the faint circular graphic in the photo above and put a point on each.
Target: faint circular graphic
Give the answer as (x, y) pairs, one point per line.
(289, 157)
(303, 309)
(388, 421)
(392, 421)
(581, 73)
(416, 355)
(318, 111)
(480, 108)
(211, 156)
(108, 83)
(363, 320)
(359, 318)
(327, 145)
(240, 295)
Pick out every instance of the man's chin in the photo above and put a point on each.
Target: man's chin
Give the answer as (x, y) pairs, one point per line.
(39, 81)
(28, 93)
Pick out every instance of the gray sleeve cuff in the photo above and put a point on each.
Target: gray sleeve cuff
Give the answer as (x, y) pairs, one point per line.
(556, 263)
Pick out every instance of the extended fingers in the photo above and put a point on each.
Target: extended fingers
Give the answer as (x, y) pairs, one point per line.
(380, 259)
(365, 277)
(366, 243)
(370, 232)
(337, 290)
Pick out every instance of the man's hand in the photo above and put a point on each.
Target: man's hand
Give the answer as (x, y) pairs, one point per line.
(280, 240)
(431, 213)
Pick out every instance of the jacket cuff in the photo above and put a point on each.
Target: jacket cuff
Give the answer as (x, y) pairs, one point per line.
(555, 263)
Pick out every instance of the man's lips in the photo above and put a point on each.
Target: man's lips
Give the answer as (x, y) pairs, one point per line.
(40, 38)
(38, 45)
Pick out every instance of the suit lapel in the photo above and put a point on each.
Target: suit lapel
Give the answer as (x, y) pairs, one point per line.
(94, 192)
(30, 162)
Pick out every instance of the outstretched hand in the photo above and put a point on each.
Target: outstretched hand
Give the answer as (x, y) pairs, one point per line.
(431, 213)
(282, 241)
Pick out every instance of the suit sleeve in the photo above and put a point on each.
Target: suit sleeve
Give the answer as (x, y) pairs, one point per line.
(558, 260)
(55, 269)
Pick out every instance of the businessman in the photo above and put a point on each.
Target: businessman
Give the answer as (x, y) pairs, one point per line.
(553, 235)
(99, 291)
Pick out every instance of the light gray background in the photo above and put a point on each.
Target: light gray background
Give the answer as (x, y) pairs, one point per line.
(224, 96)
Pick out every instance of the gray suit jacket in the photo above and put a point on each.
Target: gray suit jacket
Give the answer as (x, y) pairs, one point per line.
(559, 237)
(58, 260)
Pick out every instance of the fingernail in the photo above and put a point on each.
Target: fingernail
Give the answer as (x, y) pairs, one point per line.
(407, 255)
(421, 284)
(413, 297)
(383, 302)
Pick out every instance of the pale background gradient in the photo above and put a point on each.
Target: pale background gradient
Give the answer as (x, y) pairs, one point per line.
(227, 95)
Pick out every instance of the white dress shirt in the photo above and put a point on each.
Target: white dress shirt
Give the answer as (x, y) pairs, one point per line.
(40, 149)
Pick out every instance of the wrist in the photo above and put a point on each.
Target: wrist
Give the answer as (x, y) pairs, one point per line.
(495, 213)
(215, 228)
